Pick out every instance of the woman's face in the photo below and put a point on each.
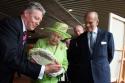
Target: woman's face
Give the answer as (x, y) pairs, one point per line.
(54, 38)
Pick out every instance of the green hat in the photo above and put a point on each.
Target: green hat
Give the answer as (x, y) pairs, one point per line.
(60, 28)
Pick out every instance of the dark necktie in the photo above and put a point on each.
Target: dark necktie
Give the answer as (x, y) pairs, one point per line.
(24, 37)
(91, 41)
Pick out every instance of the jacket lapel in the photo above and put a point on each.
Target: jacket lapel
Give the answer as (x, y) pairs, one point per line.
(20, 28)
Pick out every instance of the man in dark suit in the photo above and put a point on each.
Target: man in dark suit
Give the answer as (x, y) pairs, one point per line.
(72, 49)
(95, 51)
(12, 57)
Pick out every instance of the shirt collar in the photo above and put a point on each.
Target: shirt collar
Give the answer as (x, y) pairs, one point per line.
(95, 30)
(24, 27)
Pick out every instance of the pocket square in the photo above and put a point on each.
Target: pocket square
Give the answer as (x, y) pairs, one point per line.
(103, 42)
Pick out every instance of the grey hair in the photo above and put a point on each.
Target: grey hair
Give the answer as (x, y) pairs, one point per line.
(34, 5)
(92, 12)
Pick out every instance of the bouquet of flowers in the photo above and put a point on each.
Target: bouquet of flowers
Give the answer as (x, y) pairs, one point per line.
(41, 56)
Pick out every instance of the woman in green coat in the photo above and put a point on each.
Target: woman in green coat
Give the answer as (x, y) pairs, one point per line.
(54, 45)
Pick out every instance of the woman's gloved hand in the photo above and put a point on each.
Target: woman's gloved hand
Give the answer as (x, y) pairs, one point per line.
(61, 71)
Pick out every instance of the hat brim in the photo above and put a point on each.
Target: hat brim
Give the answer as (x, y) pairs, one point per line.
(62, 34)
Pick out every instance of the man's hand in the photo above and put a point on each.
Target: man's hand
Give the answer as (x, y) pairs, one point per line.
(52, 68)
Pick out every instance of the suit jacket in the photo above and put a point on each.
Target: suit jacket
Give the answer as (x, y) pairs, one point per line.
(72, 51)
(93, 68)
(12, 56)
(73, 59)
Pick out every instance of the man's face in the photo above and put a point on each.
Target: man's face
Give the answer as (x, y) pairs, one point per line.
(91, 22)
(32, 19)
(78, 30)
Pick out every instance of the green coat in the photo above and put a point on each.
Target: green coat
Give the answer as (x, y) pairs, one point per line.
(59, 53)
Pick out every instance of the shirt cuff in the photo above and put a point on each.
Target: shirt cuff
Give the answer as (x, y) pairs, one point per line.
(41, 72)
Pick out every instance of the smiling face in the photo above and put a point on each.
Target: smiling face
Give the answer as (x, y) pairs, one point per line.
(91, 21)
(55, 38)
(32, 18)
(78, 30)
